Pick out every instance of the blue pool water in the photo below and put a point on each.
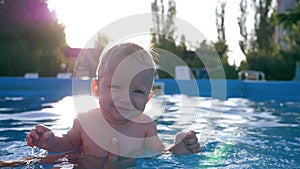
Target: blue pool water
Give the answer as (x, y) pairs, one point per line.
(240, 133)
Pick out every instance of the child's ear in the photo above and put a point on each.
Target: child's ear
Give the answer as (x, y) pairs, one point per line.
(95, 87)
(150, 96)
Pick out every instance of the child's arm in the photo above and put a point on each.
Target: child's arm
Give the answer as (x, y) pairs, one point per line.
(152, 142)
(43, 137)
(184, 143)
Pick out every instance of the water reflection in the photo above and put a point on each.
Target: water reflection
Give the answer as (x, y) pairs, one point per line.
(240, 133)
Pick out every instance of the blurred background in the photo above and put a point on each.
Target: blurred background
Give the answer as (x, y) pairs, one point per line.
(46, 36)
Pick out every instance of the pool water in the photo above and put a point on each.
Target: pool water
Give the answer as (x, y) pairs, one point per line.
(238, 133)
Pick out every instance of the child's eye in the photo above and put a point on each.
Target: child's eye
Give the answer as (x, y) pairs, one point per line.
(139, 91)
(115, 87)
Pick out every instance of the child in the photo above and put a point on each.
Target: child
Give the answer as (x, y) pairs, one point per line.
(118, 128)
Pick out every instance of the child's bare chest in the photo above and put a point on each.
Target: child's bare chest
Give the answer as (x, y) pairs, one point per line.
(130, 142)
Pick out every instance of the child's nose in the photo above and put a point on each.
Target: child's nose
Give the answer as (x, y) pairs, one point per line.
(122, 96)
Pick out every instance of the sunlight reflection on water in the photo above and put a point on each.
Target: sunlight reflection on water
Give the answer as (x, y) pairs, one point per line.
(248, 134)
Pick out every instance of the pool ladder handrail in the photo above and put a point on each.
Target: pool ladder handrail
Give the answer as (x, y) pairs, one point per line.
(251, 75)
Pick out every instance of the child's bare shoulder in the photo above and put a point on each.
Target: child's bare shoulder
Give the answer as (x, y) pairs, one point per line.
(89, 114)
(144, 119)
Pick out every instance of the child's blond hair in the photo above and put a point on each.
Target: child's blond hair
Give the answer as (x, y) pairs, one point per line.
(123, 50)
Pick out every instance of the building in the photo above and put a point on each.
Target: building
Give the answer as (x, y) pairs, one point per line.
(283, 6)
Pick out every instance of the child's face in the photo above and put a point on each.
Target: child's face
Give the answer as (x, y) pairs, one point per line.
(124, 88)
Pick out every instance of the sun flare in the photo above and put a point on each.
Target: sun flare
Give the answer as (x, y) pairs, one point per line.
(79, 19)
(83, 19)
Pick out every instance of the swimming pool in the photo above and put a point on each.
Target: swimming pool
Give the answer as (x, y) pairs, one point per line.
(247, 132)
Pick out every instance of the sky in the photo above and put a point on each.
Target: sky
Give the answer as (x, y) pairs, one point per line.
(83, 18)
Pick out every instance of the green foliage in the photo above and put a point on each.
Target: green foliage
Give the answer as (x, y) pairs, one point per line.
(163, 37)
(261, 50)
(291, 22)
(264, 25)
(220, 46)
(289, 19)
(274, 64)
(293, 41)
(87, 61)
(172, 55)
(31, 40)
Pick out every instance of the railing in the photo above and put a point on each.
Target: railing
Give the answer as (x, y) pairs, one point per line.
(251, 75)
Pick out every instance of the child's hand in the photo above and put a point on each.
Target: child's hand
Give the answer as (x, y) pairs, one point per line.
(41, 136)
(191, 142)
(186, 144)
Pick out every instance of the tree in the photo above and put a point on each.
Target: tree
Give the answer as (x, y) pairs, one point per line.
(220, 46)
(248, 39)
(164, 28)
(291, 22)
(220, 20)
(261, 51)
(88, 59)
(264, 24)
(291, 18)
(31, 40)
(163, 36)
